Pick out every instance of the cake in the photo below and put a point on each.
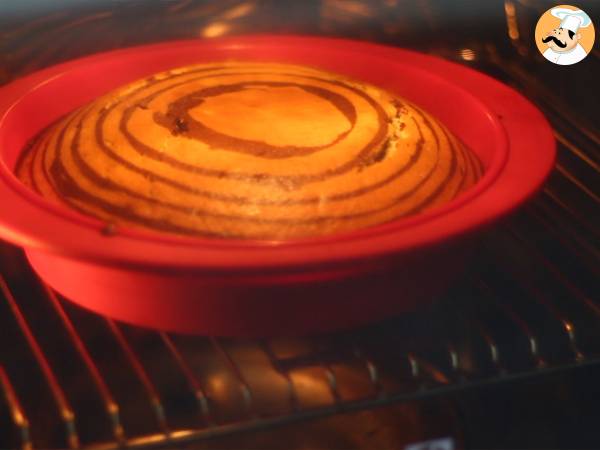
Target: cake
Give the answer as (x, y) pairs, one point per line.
(248, 150)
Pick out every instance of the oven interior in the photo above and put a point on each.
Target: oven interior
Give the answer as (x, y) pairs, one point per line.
(507, 358)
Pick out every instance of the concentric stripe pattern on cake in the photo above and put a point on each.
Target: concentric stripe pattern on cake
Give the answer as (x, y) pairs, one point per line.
(249, 150)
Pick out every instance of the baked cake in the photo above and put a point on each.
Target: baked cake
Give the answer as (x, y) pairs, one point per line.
(249, 150)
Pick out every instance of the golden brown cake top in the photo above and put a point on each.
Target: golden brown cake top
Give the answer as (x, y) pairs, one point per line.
(249, 150)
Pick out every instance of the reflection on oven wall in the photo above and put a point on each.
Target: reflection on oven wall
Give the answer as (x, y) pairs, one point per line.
(48, 32)
(39, 33)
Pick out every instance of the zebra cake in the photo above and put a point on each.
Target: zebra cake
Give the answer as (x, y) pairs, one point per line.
(248, 150)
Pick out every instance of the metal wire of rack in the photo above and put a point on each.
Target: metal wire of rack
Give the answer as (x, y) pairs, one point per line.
(527, 306)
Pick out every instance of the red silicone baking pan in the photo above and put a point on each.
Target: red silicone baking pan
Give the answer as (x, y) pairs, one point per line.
(241, 287)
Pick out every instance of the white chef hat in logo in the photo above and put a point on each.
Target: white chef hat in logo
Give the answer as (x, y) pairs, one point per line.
(571, 19)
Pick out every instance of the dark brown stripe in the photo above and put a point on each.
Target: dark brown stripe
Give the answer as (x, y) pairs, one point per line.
(44, 168)
(178, 118)
(38, 160)
(41, 156)
(478, 168)
(435, 194)
(469, 170)
(28, 148)
(67, 183)
(289, 181)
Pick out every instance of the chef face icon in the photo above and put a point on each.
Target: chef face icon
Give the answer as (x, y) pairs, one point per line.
(561, 40)
(562, 35)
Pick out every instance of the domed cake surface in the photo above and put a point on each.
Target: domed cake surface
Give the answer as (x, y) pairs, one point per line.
(248, 150)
